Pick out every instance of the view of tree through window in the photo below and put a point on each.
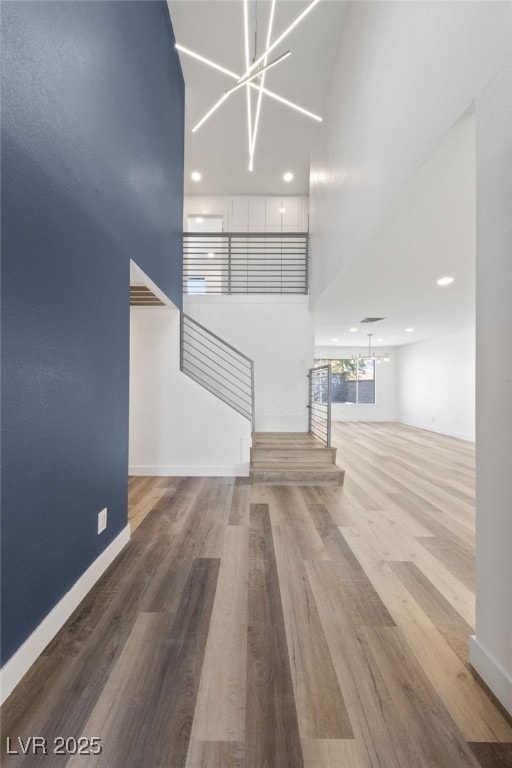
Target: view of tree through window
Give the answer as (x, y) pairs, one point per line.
(353, 381)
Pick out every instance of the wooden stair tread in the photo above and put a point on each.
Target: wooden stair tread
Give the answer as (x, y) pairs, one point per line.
(318, 466)
(285, 440)
(300, 454)
(294, 458)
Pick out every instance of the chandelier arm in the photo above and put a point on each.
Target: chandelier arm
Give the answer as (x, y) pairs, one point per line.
(258, 72)
(260, 89)
(267, 92)
(281, 37)
(211, 111)
(286, 102)
(234, 76)
(248, 89)
(206, 61)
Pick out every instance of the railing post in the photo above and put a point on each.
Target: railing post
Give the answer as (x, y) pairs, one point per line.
(328, 406)
(253, 399)
(182, 334)
(320, 420)
(310, 385)
(306, 264)
(229, 263)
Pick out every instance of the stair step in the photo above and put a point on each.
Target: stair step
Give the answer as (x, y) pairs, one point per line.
(313, 473)
(293, 458)
(294, 455)
(286, 440)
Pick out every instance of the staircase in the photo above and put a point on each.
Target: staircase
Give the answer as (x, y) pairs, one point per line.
(293, 458)
(277, 458)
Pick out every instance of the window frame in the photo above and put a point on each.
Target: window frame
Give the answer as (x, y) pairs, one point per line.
(329, 361)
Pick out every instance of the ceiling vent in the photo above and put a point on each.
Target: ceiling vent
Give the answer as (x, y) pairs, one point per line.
(372, 319)
(141, 296)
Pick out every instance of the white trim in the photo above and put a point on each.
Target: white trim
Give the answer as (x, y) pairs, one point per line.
(14, 669)
(239, 470)
(439, 431)
(492, 672)
(189, 299)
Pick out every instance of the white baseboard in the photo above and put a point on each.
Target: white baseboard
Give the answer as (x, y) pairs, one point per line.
(491, 672)
(145, 470)
(14, 669)
(438, 430)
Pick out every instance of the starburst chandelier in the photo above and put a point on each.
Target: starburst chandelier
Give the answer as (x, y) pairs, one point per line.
(253, 78)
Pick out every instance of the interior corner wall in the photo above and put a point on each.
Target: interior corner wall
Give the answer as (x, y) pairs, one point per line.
(436, 384)
(176, 426)
(385, 406)
(277, 333)
(491, 648)
(92, 173)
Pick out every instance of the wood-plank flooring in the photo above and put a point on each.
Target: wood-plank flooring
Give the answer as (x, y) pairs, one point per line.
(281, 626)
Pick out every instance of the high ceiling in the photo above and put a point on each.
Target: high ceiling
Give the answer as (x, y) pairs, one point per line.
(427, 234)
(219, 149)
(430, 230)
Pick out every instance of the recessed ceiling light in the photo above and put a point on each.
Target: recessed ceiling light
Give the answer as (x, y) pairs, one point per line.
(445, 281)
(199, 219)
(409, 330)
(334, 339)
(211, 255)
(195, 176)
(354, 330)
(282, 210)
(288, 176)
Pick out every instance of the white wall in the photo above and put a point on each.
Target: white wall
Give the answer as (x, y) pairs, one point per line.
(436, 384)
(404, 74)
(252, 213)
(277, 333)
(176, 426)
(491, 649)
(385, 408)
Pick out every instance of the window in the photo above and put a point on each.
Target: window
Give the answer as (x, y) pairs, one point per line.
(353, 381)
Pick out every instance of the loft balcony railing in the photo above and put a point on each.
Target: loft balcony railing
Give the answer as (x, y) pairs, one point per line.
(245, 262)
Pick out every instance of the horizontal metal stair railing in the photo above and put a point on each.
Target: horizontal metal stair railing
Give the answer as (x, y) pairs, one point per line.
(217, 366)
(320, 403)
(245, 262)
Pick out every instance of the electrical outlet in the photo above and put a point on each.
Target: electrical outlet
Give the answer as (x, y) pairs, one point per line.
(102, 520)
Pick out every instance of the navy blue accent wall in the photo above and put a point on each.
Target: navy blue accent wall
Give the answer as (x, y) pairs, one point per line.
(92, 176)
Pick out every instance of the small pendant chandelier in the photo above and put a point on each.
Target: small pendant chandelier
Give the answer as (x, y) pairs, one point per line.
(371, 354)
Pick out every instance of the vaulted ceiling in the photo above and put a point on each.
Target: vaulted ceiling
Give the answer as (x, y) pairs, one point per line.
(428, 232)
(219, 149)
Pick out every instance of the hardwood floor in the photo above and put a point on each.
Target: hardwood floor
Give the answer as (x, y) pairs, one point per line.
(281, 627)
